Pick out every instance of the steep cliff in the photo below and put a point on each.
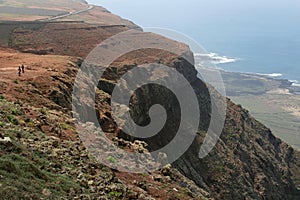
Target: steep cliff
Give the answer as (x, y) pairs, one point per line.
(248, 162)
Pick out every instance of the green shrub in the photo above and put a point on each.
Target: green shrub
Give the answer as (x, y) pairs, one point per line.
(67, 126)
(9, 117)
(30, 123)
(34, 84)
(9, 166)
(15, 121)
(14, 111)
(115, 194)
(112, 159)
(44, 111)
(25, 175)
(10, 192)
(12, 119)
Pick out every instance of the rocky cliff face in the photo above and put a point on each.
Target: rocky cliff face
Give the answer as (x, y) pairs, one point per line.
(248, 162)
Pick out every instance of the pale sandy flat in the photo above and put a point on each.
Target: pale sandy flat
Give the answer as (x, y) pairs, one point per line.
(280, 91)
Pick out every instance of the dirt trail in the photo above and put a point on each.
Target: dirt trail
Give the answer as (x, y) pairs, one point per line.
(67, 15)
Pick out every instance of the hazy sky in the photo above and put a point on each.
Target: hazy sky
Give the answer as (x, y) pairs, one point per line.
(173, 12)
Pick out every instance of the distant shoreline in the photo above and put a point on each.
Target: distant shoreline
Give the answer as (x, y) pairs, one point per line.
(285, 83)
(207, 59)
(273, 101)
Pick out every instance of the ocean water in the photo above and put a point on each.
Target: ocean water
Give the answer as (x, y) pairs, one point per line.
(265, 42)
(277, 56)
(245, 36)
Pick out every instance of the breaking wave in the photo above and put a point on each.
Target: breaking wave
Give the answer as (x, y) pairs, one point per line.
(295, 83)
(213, 58)
(272, 75)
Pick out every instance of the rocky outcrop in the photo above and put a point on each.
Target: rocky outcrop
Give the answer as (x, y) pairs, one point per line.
(248, 162)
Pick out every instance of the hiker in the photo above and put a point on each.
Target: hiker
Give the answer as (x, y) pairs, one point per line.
(19, 71)
(23, 69)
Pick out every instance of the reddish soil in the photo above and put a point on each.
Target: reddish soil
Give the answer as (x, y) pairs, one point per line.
(74, 39)
(159, 189)
(38, 70)
(31, 90)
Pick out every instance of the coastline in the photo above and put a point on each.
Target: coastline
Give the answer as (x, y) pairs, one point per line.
(215, 60)
(291, 85)
(271, 100)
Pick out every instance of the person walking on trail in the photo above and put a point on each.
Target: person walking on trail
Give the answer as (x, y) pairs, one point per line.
(19, 71)
(23, 69)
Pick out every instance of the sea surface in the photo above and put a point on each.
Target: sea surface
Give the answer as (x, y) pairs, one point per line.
(277, 56)
(245, 36)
